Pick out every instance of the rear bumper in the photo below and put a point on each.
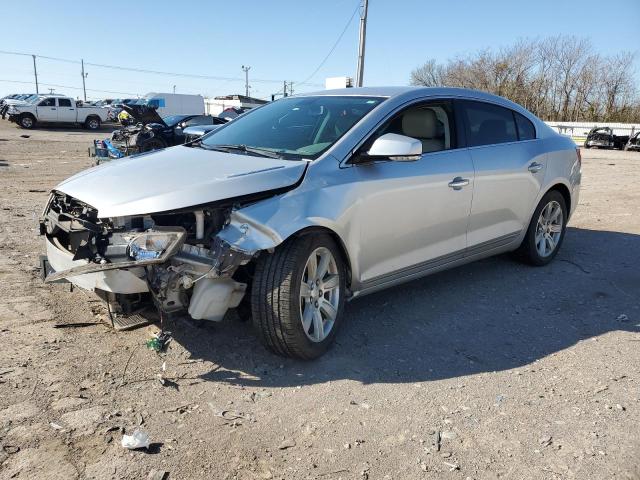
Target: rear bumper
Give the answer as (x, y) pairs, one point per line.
(117, 281)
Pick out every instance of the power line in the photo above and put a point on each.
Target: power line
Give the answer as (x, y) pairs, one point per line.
(69, 86)
(143, 70)
(332, 48)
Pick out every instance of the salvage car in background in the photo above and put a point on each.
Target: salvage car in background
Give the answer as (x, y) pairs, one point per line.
(150, 132)
(56, 109)
(115, 107)
(314, 199)
(603, 137)
(198, 131)
(634, 143)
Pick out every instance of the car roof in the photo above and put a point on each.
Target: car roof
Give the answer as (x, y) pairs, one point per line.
(411, 92)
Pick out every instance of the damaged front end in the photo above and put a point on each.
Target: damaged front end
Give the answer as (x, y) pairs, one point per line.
(137, 139)
(173, 258)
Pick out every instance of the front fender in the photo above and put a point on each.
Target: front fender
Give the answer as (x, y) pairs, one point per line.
(250, 230)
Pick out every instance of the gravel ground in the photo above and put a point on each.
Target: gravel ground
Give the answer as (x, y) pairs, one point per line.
(491, 370)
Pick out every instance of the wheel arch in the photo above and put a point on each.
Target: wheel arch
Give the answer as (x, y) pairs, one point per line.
(315, 229)
(250, 236)
(564, 191)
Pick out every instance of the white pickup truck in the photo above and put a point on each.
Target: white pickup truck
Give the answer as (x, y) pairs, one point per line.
(56, 109)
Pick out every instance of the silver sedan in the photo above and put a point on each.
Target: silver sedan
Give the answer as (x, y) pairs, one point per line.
(314, 199)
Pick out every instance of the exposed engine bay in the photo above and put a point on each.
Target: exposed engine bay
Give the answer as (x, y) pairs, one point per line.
(185, 265)
(145, 135)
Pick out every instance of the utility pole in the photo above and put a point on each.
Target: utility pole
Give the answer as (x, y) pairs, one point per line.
(84, 75)
(35, 72)
(290, 88)
(246, 79)
(363, 38)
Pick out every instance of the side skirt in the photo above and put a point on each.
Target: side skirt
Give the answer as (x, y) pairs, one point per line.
(445, 262)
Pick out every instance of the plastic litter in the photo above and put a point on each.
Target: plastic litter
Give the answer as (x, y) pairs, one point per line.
(159, 341)
(139, 439)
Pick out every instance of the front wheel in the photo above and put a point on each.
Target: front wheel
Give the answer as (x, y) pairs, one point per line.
(298, 295)
(27, 121)
(546, 230)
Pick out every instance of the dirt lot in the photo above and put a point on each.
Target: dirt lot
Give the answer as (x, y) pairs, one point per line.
(492, 370)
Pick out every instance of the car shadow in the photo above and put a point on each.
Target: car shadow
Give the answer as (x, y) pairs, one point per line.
(492, 315)
(72, 129)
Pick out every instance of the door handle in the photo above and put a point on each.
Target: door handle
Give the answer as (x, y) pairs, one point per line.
(535, 167)
(458, 182)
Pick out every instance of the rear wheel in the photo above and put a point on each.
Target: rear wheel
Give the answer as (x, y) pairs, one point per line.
(92, 123)
(298, 296)
(546, 230)
(27, 121)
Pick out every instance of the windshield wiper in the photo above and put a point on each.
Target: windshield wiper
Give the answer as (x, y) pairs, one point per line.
(263, 152)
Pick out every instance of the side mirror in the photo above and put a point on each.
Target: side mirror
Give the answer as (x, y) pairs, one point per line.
(399, 148)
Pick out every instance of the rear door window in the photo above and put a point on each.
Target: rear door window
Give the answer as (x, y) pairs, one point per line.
(488, 124)
(64, 102)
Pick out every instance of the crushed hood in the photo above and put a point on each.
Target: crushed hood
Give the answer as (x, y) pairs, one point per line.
(144, 114)
(175, 178)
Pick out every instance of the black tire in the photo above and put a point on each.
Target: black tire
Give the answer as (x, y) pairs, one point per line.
(528, 251)
(92, 123)
(27, 121)
(153, 144)
(275, 297)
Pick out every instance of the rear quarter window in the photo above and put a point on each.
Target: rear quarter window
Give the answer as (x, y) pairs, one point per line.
(488, 124)
(526, 130)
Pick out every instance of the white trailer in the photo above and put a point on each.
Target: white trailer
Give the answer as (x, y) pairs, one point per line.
(174, 103)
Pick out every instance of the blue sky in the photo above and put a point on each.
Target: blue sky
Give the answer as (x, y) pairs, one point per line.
(279, 39)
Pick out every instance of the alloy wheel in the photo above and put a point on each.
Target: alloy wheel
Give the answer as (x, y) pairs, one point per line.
(549, 229)
(319, 294)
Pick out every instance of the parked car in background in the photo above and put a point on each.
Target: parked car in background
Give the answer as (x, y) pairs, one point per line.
(603, 137)
(56, 109)
(230, 113)
(151, 132)
(115, 107)
(633, 143)
(195, 132)
(22, 99)
(173, 103)
(314, 199)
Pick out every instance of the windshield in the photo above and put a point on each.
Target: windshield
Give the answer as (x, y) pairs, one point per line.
(295, 127)
(173, 119)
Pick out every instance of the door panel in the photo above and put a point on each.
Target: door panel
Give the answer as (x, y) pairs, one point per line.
(47, 110)
(509, 170)
(408, 213)
(505, 190)
(66, 110)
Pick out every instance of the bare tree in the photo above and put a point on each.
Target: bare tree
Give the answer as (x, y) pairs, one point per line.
(559, 78)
